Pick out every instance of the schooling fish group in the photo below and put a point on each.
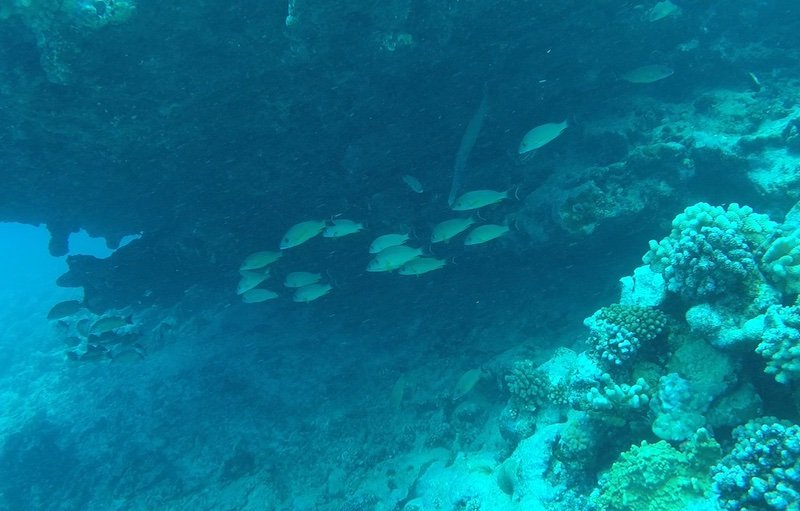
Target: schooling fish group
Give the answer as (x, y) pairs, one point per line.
(390, 251)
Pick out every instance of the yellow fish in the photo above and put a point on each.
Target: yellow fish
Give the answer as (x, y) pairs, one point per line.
(301, 278)
(478, 199)
(110, 323)
(64, 309)
(540, 136)
(302, 232)
(250, 280)
(341, 227)
(311, 292)
(647, 74)
(386, 241)
(392, 258)
(259, 260)
(420, 265)
(448, 229)
(258, 295)
(484, 233)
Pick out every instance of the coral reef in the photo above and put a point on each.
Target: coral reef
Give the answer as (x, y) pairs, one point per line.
(780, 343)
(762, 471)
(658, 477)
(618, 331)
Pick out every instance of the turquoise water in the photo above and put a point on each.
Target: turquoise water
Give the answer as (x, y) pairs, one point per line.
(612, 325)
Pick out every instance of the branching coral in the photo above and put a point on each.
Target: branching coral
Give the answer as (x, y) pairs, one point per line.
(658, 477)
(780, 342)
(617, 331)
(712, 250)
(762, 472)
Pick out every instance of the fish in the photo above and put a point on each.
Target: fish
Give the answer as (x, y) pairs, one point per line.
(466, 383)
(109, 323)
(540, 136)
(484, 233)
(341, 227)
(647, 74)
(94, 352)
(386, 241)
(468, 140)
(301, 278)
(413, 183)
(64, 309)
(478, 199)
(444, 231)
(84, 326)
(256, 273)
(258, 260)
(302, 232)
(249, 281)
(392, 258)
(398, 391)
(663, 10)
(128, 354)
(311, 292)
(258, 295)
(72, 341)
(420, 265)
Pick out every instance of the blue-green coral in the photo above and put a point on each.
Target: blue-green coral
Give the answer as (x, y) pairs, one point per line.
(712, 250)
(780, 342)
(617, 331)
(658, 477)
(762, 471)
(781, 262)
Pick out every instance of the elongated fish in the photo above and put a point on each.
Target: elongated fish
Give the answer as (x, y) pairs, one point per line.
(468, 140)
(413, 183)
(110, 323)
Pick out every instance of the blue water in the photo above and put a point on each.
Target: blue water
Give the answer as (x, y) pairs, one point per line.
(148, 148)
